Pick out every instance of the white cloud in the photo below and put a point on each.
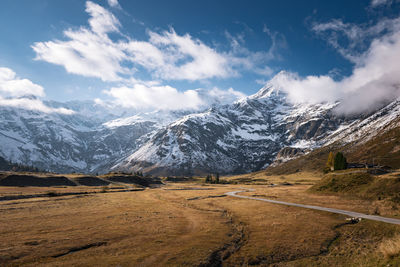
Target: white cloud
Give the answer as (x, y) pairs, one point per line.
(375, 3)
(374, 80)
(22, 93)
(164, 55)
(86, 54)
(89, 51)
(174, 57)
(219, 96)
(157, 97)
(11, 85)
(352, 40)
(113, 3)
(145, 97)
(32, 104)
(102, 21)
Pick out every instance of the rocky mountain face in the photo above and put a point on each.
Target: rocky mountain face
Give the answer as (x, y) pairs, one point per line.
(241, 137)
(86, 141)
(245, 136)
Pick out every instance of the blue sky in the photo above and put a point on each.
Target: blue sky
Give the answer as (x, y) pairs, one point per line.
(150, 54)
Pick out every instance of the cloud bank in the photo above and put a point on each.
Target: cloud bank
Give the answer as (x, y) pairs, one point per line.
(12, 86)
(164, 56)
(375, 79)
(22, 93)
(147, 97)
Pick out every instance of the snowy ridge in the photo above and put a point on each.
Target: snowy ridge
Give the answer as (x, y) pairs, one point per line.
(83, 142)
(247, 135)
(241, 137)
(364, 129)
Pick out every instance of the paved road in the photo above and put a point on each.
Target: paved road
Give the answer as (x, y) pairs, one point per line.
(344, 212)
(344, 173)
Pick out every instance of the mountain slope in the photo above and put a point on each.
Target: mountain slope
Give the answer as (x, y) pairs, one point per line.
(371, 138)
(82, 142)
(258, 131)
(241, 137)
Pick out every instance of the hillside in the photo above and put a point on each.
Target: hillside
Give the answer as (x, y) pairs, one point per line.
(248, 135)
(242, 137)
(6, 165)
(379, 147)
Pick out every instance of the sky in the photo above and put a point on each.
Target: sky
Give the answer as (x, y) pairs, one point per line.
(174, 55)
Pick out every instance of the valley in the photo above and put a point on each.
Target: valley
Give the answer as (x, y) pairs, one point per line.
(191, 223)
(200, 133)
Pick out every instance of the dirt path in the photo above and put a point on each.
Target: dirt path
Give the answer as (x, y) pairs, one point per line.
(338, 211)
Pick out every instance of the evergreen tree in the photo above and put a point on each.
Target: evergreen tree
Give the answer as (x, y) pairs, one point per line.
(208, 178)
(340, 162)
(217, 178)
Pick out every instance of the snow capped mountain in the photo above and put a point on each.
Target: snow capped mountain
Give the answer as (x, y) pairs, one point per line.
(241, 137)
(87, 141)
(247, 135)
(366, 127)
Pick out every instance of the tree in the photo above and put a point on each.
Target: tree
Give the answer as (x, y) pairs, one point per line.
(329, 163)
(208, 178)
(217, 178)
(339, 162)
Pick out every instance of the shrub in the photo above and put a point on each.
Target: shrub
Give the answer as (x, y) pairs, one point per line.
(51, 194)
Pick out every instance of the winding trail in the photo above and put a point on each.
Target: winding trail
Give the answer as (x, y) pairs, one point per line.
(338, 211)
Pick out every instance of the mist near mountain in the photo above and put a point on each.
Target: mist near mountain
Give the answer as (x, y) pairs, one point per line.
(374, 81)
(247, 135)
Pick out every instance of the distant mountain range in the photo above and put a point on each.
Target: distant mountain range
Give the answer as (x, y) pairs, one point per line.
(247, 135)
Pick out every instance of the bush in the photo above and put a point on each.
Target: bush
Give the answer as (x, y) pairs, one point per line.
(51, 194)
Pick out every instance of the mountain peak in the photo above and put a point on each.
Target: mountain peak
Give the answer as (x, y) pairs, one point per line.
(270, 89)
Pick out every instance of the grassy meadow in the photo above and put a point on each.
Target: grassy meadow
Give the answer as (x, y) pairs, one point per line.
(194, 224)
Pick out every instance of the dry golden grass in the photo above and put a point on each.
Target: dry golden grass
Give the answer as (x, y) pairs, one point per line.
(188, 224)
(261, 177)
(146, 228)
(390, 247)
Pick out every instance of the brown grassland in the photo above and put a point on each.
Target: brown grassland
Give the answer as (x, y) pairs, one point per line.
(195, 224)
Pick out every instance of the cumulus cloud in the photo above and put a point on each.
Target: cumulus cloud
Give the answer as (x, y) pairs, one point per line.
(113, 3)
(166, 55)
(174, 57)
(88, 52)
(22, 93)
(11, 85)
(32, 104)
(102, 21)
(375, 80)
(144, 97)
(150, 97)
